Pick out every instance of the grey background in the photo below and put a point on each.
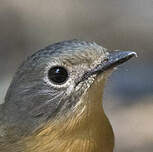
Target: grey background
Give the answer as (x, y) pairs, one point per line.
(26, 26)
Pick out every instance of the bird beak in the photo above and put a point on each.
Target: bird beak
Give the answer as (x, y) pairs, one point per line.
(113, 59)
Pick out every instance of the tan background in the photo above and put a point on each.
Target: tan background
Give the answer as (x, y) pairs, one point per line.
(26, 26)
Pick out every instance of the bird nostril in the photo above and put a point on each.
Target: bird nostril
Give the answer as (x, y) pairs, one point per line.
(105, 60)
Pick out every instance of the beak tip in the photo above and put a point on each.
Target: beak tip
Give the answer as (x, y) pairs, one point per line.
(124, 54)
(131, 53)
(118, 57)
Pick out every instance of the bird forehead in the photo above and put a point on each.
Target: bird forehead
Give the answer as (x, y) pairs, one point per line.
(69, 52)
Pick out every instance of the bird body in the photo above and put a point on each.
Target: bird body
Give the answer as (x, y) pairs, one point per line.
(91, 132)
(54, 103)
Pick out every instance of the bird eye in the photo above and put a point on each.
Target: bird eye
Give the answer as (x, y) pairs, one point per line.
(58, 75)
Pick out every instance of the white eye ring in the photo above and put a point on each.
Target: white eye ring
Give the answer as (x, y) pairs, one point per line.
(47, 79)
(58, 75)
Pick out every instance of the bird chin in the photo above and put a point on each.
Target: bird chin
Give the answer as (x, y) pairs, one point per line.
(95, 89)
(104, 75)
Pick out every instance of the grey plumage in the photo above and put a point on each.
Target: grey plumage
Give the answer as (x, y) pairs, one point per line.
(56, 93)
(30, 99)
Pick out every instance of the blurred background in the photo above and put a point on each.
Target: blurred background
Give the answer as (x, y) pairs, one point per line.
(26, 26)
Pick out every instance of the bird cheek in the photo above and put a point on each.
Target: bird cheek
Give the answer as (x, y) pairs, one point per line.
(70, 88)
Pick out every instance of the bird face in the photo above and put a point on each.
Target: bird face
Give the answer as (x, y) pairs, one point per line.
(52, 81)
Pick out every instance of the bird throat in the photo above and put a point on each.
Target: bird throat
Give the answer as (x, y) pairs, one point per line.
(87, 129)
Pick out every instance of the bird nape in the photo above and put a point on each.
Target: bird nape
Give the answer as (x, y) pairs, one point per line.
(54, 102)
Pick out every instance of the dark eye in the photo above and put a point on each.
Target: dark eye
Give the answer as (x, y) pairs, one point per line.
(58, 75)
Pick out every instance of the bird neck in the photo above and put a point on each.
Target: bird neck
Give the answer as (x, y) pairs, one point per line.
(86, 129)
(88, 134)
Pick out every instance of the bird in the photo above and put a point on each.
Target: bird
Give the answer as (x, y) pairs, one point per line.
(54, 101)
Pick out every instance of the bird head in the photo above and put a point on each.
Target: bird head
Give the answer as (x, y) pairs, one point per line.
(53, 83)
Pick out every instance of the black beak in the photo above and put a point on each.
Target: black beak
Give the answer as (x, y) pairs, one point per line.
(113, 59)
